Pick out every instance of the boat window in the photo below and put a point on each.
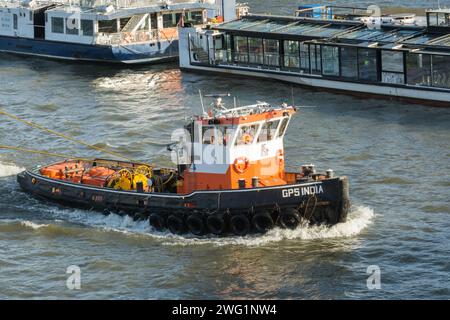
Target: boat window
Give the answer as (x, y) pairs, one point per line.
(208, 135)
(330, 60)
(246, 134)
(87, 27)
(441, 71)
(291, 54)
(240, 49)
(271, 50)
(349, 62)
(304, 58)
(392, 67)
(194, 17)
(268, 130)
(15, 21)
(107, 26)
(57, 25)
(367, 64)
(123, 22)
(170, 20)
(314, 53)
(225, 135)
(283, 127)
(255, 50)
(72, 26)
(418, 69)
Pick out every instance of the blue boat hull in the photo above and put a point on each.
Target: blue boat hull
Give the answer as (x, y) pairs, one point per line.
(130, 53)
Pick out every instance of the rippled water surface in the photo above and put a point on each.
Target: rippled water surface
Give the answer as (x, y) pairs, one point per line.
(396, 155)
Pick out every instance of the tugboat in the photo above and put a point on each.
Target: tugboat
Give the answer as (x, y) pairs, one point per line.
(230, 179)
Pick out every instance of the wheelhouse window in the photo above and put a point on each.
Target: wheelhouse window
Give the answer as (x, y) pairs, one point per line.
(246, 134)
(107, 26)
(255, 50)
(367, 65)
(418, 69)
(330, 60)
(291, 54)
(349, 62)
(271, 50)
(208, 134)
(268, 131)
(240, 49)
(57, 25)
(441, 71)
(392, 67)
(72, 26)
(87, 27)
(283, 127)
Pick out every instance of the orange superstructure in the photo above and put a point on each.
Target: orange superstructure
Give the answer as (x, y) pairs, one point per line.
(236, 148)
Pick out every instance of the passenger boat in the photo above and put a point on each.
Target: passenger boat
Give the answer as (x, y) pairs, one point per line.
(230, 178)
(122, 31)
(392, 57)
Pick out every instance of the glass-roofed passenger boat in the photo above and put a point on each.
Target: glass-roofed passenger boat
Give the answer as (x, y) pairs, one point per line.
(401, 58)
(126, 31)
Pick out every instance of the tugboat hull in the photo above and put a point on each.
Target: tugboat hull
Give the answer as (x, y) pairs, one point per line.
(237, 211)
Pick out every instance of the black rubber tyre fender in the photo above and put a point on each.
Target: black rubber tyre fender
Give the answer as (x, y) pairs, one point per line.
(289, 218)
(216, 224)
(195, 224)
(176, 224)
(239, 224)
(262, 221)
(157, 221)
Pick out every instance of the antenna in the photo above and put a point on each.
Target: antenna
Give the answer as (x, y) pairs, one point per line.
(201, 100)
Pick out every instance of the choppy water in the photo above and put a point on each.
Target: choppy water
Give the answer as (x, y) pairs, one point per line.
(396, 155)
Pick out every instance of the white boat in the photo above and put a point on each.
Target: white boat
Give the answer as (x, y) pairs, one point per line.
(125, 31)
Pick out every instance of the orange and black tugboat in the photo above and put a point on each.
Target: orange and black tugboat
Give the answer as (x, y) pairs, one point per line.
(230, 179)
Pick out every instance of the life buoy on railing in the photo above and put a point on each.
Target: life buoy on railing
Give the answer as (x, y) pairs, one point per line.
(280, 157)
(240, 165)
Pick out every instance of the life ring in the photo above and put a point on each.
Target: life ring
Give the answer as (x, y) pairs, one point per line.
(241, 164)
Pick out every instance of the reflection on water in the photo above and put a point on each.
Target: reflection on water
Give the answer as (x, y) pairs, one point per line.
(396, 156)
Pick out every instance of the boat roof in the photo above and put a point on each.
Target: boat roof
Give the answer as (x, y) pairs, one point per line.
(338, 31)
(108, 10)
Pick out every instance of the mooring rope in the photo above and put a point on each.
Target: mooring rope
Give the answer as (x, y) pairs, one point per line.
(42, 152)
(64, 136)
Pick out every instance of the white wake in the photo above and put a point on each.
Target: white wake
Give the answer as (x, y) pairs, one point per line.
(7, 170)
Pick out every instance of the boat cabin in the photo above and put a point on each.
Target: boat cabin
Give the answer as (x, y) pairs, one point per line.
(240, 147)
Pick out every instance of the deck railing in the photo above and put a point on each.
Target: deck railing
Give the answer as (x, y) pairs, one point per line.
(127, 37)
(118, 3)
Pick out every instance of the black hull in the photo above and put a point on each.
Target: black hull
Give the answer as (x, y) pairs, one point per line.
(319, 202)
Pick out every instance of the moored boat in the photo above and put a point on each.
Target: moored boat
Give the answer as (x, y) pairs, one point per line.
(119, 31)
(230, 178)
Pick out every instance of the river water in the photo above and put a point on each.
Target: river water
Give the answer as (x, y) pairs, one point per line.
(396, 155)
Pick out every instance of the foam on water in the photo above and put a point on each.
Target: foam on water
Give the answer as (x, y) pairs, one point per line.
(7, 170)
(359, 218)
